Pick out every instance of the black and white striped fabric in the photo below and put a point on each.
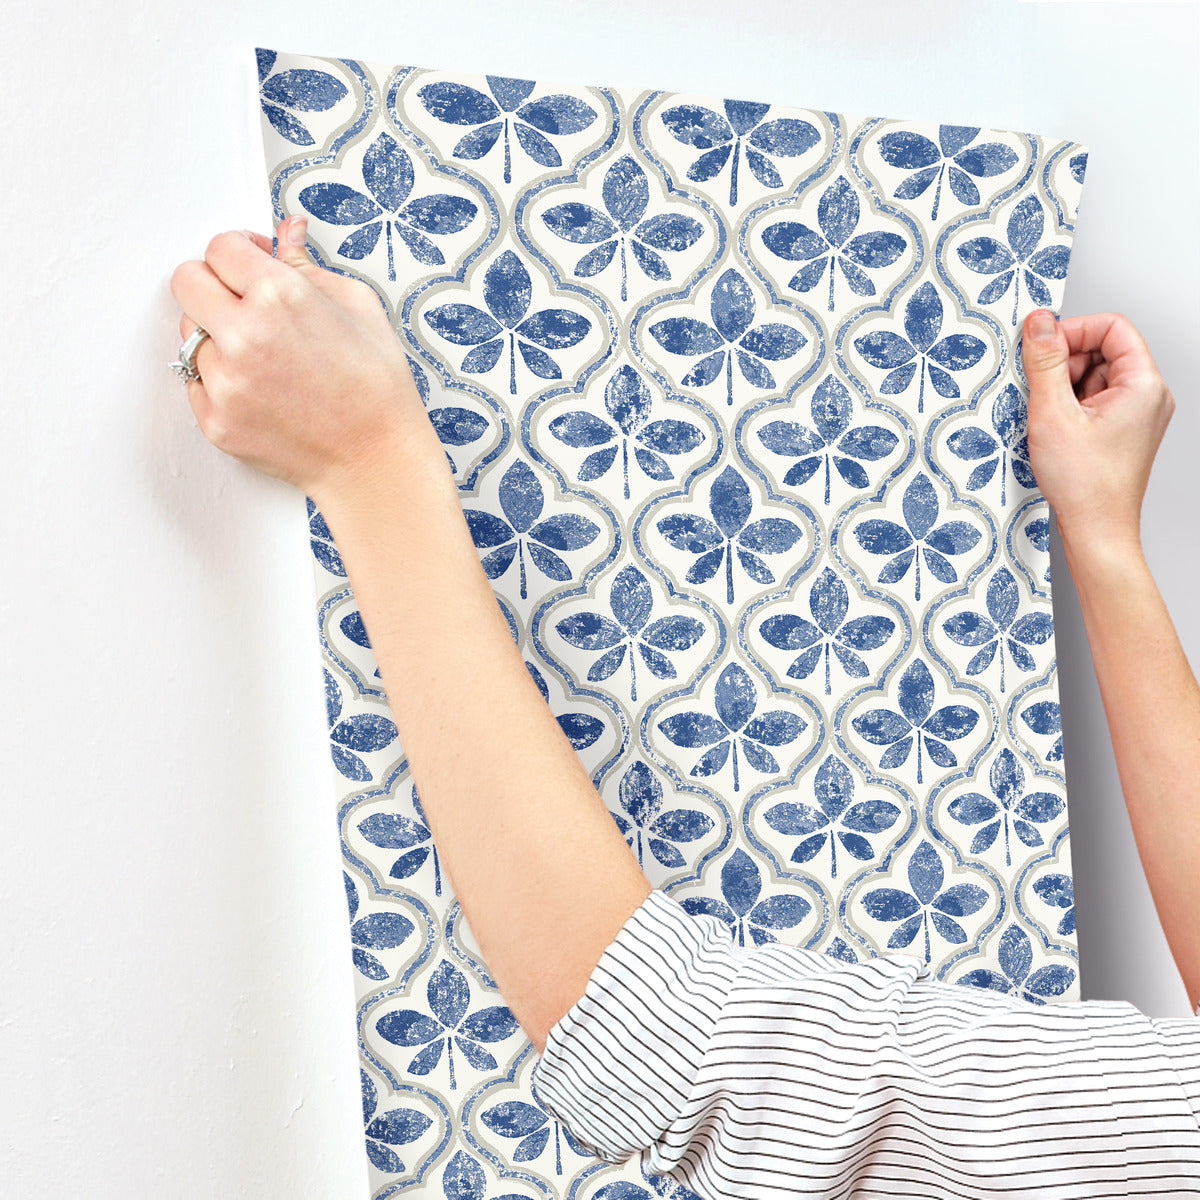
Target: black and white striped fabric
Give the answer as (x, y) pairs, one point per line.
(772, 1071)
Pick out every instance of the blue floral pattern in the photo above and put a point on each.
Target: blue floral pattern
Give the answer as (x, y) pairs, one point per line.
(731, 393)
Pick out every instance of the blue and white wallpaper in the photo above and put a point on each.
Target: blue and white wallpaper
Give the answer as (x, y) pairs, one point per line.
(733, 396)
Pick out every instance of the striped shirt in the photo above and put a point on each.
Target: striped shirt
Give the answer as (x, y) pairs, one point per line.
(761, 1072)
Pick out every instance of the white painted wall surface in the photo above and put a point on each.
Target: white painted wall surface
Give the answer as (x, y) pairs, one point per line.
(176, 1001)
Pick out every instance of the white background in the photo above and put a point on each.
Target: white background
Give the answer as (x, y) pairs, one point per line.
(176, 1000)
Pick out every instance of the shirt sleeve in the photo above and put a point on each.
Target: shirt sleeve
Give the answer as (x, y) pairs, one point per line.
(773, 1071)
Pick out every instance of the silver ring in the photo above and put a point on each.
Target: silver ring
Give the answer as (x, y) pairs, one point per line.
(185, 365)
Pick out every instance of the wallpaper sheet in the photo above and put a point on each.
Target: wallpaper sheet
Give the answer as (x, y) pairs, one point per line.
(733, 396)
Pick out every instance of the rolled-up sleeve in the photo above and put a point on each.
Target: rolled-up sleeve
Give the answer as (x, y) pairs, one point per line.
(772, 1071)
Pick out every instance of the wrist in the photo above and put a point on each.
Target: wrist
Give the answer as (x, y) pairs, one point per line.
(1093, 551)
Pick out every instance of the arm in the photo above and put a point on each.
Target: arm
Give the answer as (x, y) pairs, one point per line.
(304, 378)
(1098, 409)
(542, 872)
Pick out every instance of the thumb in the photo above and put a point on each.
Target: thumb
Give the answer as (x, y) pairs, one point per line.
(291, 242)
(1047, 358)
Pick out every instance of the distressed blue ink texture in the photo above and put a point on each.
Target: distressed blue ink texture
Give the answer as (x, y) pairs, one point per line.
(733, 396)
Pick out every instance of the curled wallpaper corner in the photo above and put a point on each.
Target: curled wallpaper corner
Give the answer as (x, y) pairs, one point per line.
(732, 392)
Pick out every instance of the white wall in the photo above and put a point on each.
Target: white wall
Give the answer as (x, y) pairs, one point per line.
(176, 1002)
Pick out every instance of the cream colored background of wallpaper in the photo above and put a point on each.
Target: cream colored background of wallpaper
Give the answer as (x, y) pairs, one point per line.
(175, 1000)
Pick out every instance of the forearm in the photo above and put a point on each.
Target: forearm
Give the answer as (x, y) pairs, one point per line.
(1152, 703)
(543, 875)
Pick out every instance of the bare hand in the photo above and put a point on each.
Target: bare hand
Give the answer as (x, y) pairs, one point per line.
(1098, 409)
(303, 376)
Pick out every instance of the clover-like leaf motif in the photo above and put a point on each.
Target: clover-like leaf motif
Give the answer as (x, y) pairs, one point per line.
(1011, 805)
(522, 500)
(507, 294)
(396, 1127)
(298, 90)
(953, 151)
(631, 601)
(916, 721)
(387, 205)
(1020, 259)
(741, 907)
(628, 401)
(1045, 719)
(626, 196)
(641, 797)
(534, 122)
(1016, 961)
(1009, 448)
(1000, 627)
(350, 737)
(448, 1024)
(734, 724)
(829, 602)
(926, 902)
(834, 819)
(919, 505)
(720, 137)
(1058, 891)
(830, 437)
(835, 245)
(730, 531)
(731, 334)
(922, 351)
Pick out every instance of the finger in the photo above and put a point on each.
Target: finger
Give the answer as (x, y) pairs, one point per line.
(292, 237)
(1111, 334)
(198, 398)
(1047, 356)
(238, 260)
(203, 296)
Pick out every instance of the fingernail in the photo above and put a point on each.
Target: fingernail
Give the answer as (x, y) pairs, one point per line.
(1041, 325)
(297, 228)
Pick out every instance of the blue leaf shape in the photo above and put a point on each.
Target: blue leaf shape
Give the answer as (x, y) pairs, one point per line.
(558, 115)
(507, 289)
(952, 722)
(925, 872)
(881, 726)
(462, 324)
(555, 328)
(838, 211)
(773, 341)
(908, 150)
(735, 696)
(304, 89)
(448, 993)
(889, 904)
(693, 729)
(579, 223)
(388, 172)
(992, 158)
(732, 305)
(1025, 226)
(338, 204)
(631, 598)
(521, 496)
(671, 232)
(923, 316)
(697, 126)
(916, 692)
(775, 728)
(884, 349)
(685, 336)
(457, 103)
(730, 502)
(920, 506)
(364, 732)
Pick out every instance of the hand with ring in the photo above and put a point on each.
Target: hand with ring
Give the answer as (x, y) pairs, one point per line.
(291, 368)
